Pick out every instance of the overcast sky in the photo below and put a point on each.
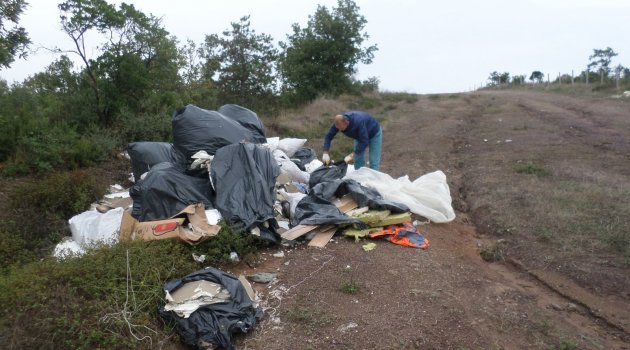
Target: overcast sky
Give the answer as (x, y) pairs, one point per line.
(433, 46)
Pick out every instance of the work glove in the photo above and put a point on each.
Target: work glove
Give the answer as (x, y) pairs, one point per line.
(326, 159)
(349, 158)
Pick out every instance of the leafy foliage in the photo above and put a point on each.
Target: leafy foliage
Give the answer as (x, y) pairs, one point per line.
(600, 61)
(537, 76)
(13, 40)
(322, 57)
(242, 62)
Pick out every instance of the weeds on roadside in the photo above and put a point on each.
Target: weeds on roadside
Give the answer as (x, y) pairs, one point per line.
(350, 287)
(309, 318)
(491, 253)
(532, 169)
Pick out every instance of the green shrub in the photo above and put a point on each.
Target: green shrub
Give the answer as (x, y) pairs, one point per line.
(41, 147)
(229, 240)
(151, 127)
(79, 303)
(61, 194)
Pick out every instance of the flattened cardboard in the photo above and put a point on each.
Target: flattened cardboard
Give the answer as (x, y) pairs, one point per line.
(132, 229)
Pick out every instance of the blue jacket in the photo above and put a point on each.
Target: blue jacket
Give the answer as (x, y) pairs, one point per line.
(362, 128)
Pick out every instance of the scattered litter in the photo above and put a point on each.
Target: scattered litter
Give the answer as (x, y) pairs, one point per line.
(115, 188)
(123, 194)
(234, 257)
(347, 327)
(279, 254)
(485, 140)
(406, 235)
(369, 246)
(508, 141)
(192, 295)
(262, 277)
(213, 216)
(199, 258)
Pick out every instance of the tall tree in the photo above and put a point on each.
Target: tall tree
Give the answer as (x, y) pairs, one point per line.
(137, 56)
(537, 76)
(600, 61)
(241, 62)
(13, 39)
(323, 56)
(497, 78)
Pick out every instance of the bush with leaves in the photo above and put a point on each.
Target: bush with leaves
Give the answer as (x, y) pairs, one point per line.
(321, 58)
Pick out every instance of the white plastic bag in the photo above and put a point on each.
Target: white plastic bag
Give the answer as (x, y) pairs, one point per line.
(313, 165)
(272, 143)
(428, 195)
(290, 146)
(292, 198)
(91, 227)
(289, 168)
(68, 248)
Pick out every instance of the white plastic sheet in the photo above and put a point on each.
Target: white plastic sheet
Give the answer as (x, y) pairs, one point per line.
(313, 165)
(289, 168)
(92, 227)
(68, 248)
(428, 195)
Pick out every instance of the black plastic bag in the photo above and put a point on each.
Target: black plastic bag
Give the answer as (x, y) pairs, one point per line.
(196, 129)
(314, 210)
(146, 154)
(244, 176)
(324, 173)
(246, 118)
(214, 323)
(165, 191)
(303, 156)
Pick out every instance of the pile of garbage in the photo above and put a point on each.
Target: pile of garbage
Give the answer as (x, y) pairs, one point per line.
(222, 165)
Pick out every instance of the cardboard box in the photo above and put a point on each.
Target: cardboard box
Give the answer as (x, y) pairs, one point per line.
(190, 225)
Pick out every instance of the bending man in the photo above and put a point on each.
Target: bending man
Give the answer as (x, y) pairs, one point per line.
(365, 130)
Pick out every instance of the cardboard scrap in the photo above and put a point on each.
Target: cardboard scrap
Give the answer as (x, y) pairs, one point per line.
(194, 214)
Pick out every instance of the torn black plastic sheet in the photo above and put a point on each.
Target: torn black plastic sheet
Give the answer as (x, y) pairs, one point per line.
(244, 176)
(214, 323)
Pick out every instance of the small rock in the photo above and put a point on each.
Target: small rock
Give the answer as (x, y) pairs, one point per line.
(279, 254)
(556, 307)
(234, 257)
(572, 307)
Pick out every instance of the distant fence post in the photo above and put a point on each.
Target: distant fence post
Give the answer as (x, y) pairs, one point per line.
(572, 81)
(587, 74)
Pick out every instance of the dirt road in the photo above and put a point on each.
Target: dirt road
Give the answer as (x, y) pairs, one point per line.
(539, 181)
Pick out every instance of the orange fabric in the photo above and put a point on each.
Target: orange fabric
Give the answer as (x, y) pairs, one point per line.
(405, 234)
